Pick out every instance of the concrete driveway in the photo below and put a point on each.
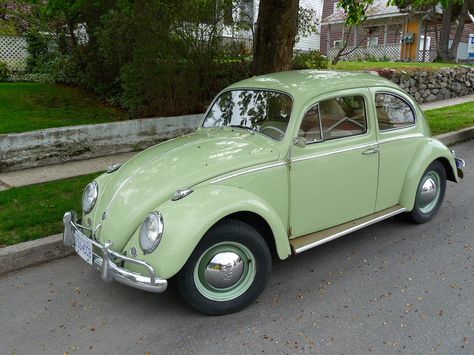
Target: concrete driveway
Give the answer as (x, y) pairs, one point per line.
(394, 287)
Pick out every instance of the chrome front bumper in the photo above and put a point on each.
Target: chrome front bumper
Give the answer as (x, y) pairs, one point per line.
(106, 263)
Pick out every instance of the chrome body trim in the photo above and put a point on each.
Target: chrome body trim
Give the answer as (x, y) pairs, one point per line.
(247, 172)
(139, 170)
(402, 137)
(334, 152)
(106, 264)
(349, 230)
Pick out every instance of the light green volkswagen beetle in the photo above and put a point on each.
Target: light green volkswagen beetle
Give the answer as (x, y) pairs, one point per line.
(280, 164)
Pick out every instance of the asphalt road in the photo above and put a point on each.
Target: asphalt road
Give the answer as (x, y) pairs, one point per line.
(394, 287)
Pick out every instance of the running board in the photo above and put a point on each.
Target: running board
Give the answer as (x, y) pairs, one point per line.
(301, 244)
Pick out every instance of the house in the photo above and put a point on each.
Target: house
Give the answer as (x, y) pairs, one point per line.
(248, 12)
(387, 34)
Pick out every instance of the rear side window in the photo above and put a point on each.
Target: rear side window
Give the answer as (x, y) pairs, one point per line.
(393, 112)
(334, 118)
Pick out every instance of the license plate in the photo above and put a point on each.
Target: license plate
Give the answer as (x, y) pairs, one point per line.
(83, 247)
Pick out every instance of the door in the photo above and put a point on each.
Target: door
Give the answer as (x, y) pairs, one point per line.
(333, 179)
(398, 138)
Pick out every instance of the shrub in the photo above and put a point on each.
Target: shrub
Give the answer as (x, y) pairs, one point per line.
(310, 60)
(38, 50)
(4, 71)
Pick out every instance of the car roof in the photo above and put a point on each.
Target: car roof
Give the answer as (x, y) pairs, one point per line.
(306, 84)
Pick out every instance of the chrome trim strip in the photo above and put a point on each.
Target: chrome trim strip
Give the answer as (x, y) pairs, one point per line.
(143, 167)
(247, 172)
(349, 230)
(334, 152)
(402, 137)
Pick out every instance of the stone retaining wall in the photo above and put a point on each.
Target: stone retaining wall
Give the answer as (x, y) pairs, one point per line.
(427, 86)
(56, 145)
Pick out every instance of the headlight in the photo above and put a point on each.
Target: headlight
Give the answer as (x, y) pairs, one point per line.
(89, 197)
(151, 232)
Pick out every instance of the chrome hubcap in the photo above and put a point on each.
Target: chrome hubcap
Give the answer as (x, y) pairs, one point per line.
(428, 194)
(428, 191)
(224, 270)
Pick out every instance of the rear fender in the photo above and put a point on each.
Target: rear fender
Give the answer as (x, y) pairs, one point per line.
(427, 152)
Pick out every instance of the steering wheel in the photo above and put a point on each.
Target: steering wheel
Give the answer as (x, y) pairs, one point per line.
(274, 129)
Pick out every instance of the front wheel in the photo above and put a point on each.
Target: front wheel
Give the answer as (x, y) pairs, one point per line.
(430, 193)
(227, 271)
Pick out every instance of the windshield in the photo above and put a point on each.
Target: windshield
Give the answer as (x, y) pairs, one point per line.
(267, 112)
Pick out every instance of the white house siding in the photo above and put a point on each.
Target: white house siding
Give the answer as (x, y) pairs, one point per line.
(305, 43)
(313, 40)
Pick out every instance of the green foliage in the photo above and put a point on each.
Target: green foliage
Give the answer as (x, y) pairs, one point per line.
(310, 60)
(151, 57)
(308, 22)
(368, 57)
(355, 10)
(4, 71)
(38, 50)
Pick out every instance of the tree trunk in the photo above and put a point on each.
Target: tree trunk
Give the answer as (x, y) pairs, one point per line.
(443, 44)
(453, 51)
(275, 35)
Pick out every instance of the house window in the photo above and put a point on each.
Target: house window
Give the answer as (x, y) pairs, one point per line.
(335, 7)
(422, 41)
(372, 41)
(338, 43)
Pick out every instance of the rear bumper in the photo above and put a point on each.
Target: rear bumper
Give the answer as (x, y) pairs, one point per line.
(107, 262)
(460, 164)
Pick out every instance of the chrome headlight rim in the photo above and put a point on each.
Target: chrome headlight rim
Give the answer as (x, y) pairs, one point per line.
(149, 243)
(89, 204)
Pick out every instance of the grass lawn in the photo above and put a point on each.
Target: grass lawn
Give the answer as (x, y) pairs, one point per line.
(32, 106)
(390, 65)
(451, 118)
(36, 211)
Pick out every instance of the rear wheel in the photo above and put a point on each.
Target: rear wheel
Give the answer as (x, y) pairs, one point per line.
(430, 193)
(227, 271)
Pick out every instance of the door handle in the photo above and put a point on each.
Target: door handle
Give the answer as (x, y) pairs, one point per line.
(372, 150)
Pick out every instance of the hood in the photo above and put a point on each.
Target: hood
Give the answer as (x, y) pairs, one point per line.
(151, 177)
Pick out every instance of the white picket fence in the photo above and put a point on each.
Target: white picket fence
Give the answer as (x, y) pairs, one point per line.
(13, 52)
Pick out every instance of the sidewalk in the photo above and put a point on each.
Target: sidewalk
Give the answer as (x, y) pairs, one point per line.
(60, 171)
(448, 102)
(82, 167)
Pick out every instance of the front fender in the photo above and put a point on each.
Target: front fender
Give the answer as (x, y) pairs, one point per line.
(187, 220)
(427, 152)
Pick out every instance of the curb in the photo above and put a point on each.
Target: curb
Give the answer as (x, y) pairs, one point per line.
(456, 137)
(33, 252)
(43, 250)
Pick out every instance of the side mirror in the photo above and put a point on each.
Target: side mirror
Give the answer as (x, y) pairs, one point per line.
(299, 142)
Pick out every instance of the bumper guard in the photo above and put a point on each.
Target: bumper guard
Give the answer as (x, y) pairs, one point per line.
(109, 270)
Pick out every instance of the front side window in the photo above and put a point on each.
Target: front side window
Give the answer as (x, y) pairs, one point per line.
(334, 118)
(393, 112)
(266, 112)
